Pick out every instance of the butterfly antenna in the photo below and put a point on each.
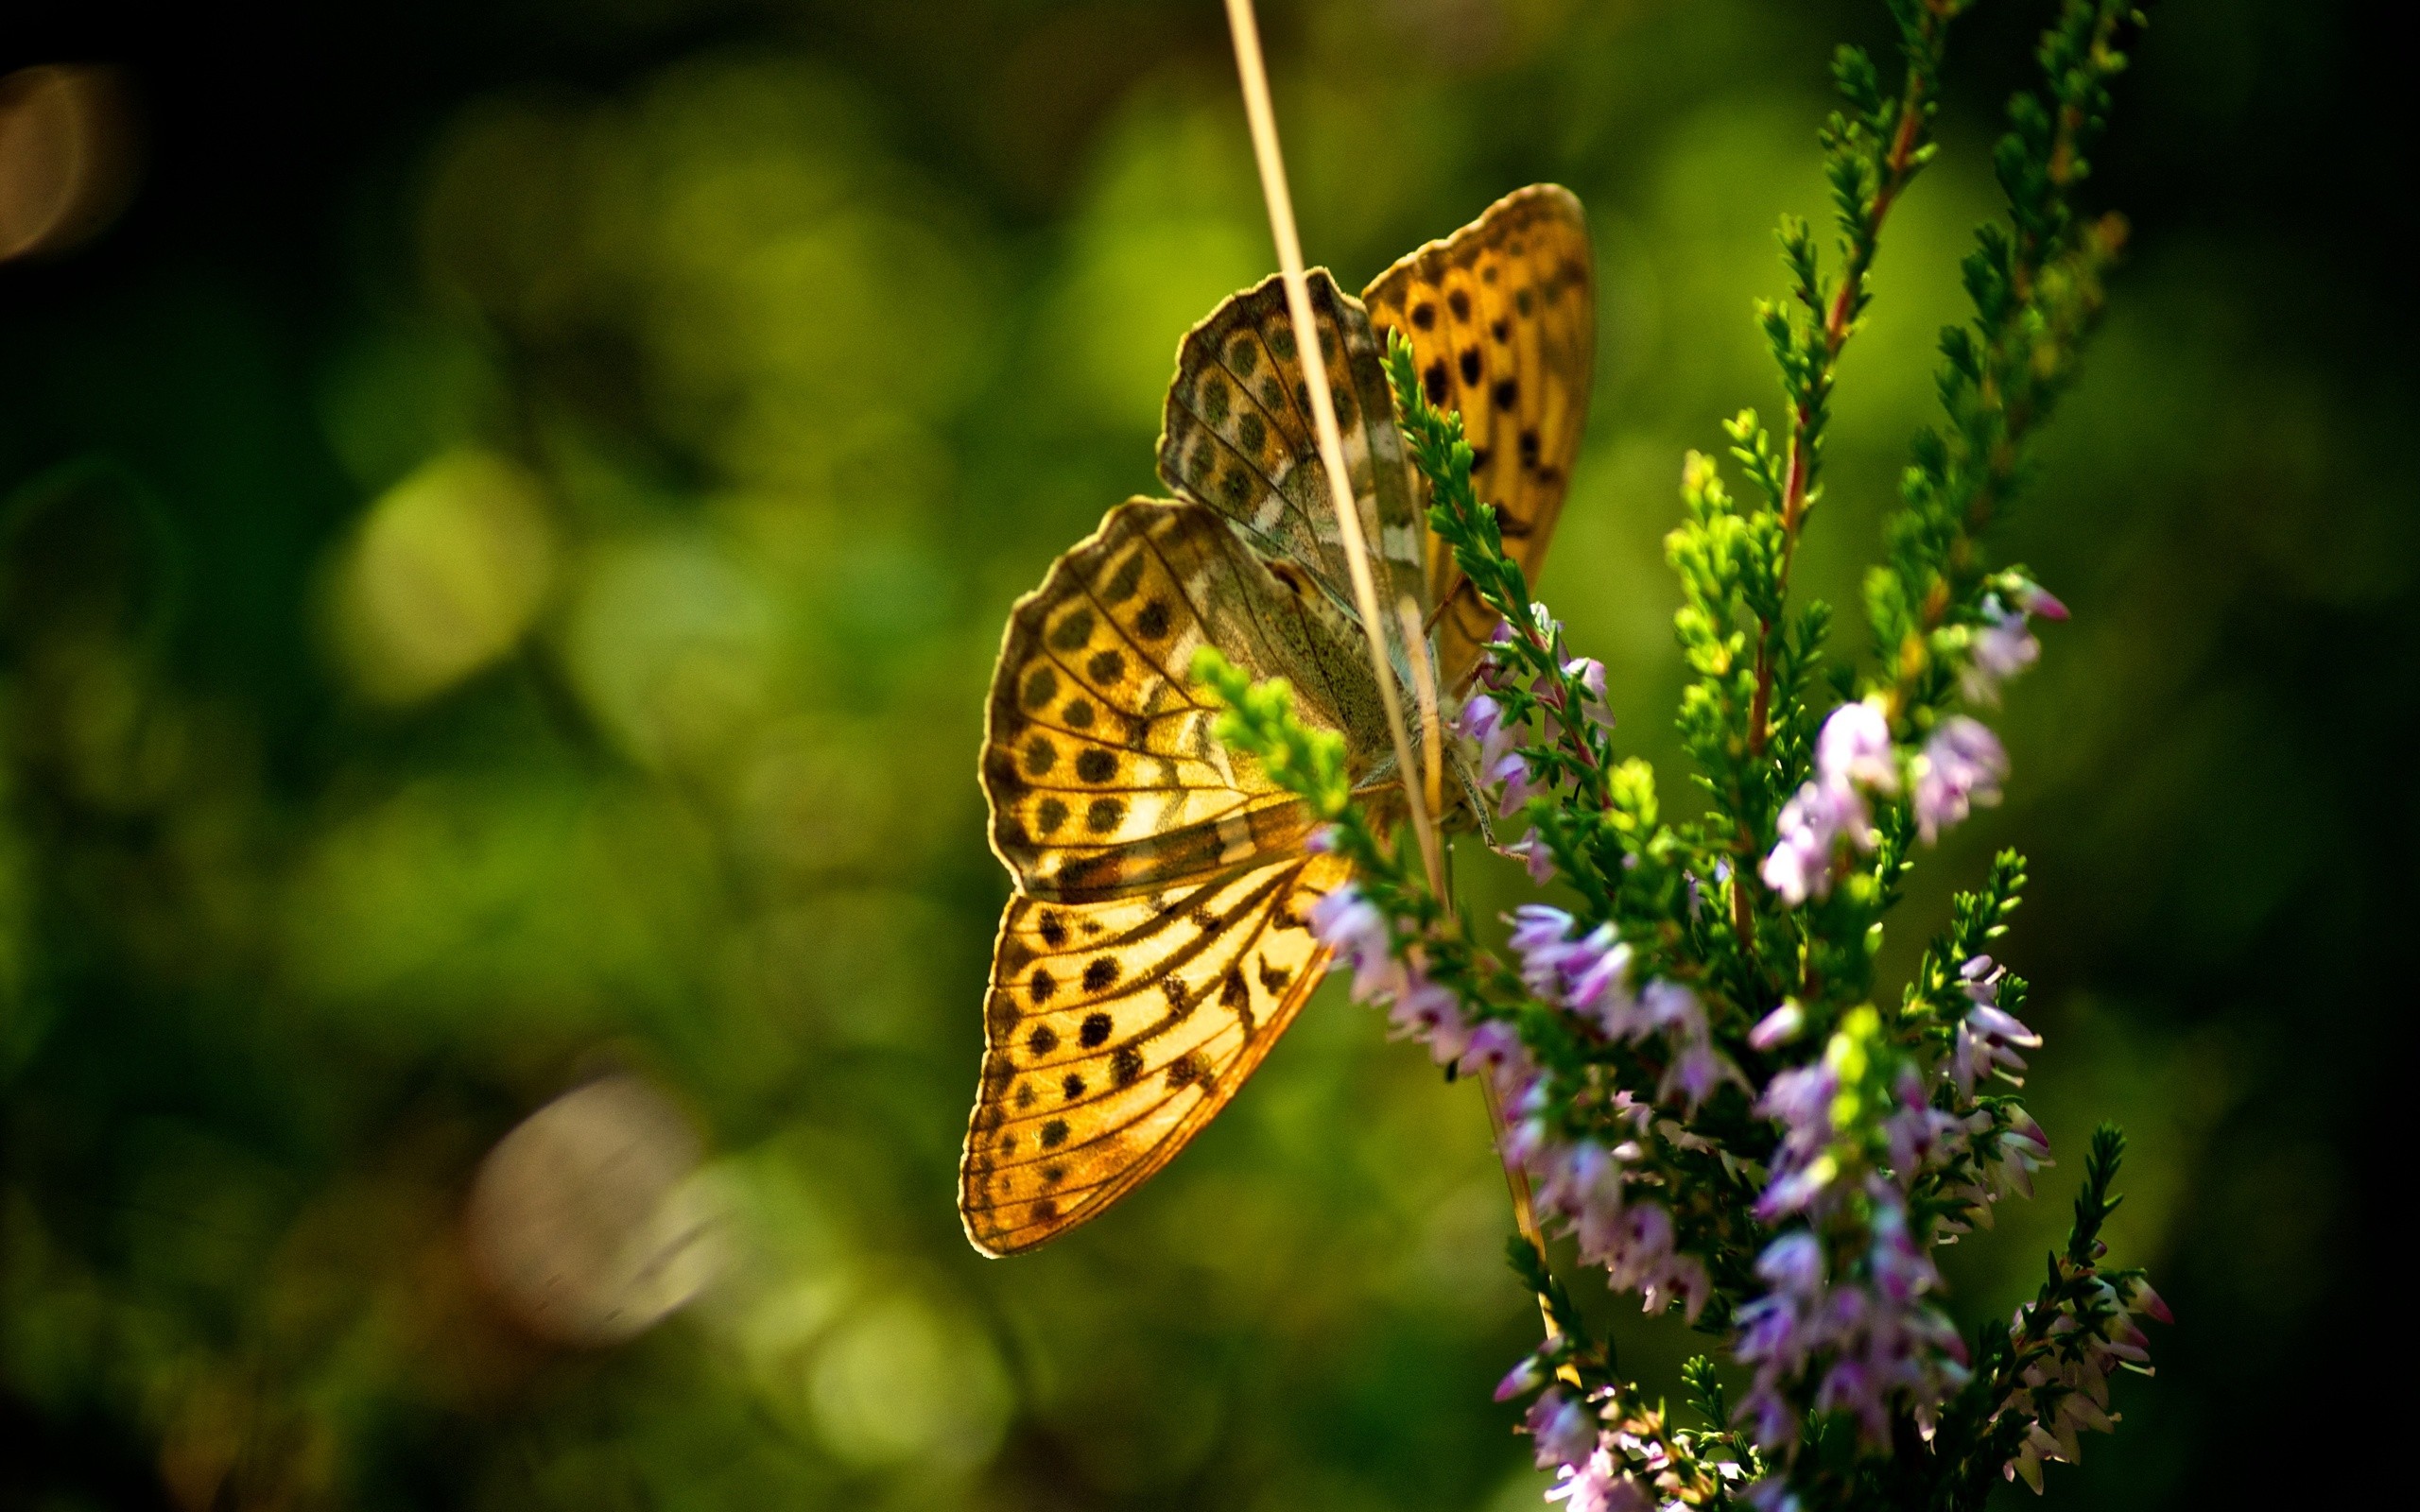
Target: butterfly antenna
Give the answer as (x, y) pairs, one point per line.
(1331, 441)
(1262, 116)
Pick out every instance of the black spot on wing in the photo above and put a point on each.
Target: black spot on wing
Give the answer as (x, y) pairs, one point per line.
(1073, 631)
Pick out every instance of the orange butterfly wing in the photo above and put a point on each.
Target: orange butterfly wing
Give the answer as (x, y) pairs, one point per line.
(1502, 321)
(1157, 943)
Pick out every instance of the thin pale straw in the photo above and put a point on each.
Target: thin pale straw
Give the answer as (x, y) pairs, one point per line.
(1263, 117)
(1331, 441)
(1423, 687)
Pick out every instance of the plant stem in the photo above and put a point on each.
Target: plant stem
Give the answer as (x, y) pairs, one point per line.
(1899, 166)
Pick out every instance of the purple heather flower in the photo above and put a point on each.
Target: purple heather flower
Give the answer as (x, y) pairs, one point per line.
(1780, 1027)
(1963, 764)
(1351, 926)
(2022, 1150)
(1588, 976)
(2140, 1298)
(1988, 1041)
(1916, 1130)
(1696, 1066)
(2002, 649)
(2082, 1368)
(1533, 852)
(1496, 1052)
(1542, 939)
(1881, 1338)
(1527, 1137)
(1581, 1183)
(1637, 1254)
(1672, 1008)
(1849, 1384)
(1511, 774)
(1494, 1049)
(1599, 1485)
(1800, 1100)
(1480, 718)
(1794, 1264)
(1490, 661)
(1592, 975)
(1853, 756)
(1599, 987)
(1522, 1379)
(1639, 1250)
(1590, 674)
(1773, 1494)
(1988, 1038)
(1770, 1421)
(1685, 1276)
(1854, 750)
(2035, 600)
(1565, 1427)
(1800, 866)
(1432, 1015)
(1580, 1190)
(1696, 1070)
(1535, 926)
(1482, 723)
(1777, 1331)
(1902, 1270)
(1979, 978)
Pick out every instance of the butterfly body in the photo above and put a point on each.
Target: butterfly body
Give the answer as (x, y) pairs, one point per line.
(1158, 939)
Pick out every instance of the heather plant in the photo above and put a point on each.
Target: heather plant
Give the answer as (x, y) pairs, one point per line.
(1701, 1079)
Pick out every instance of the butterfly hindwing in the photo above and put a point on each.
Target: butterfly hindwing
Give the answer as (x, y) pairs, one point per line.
(1104, 777)
(1237, 435)
(1116, 1029)
(1157, 942)
(1502, 319)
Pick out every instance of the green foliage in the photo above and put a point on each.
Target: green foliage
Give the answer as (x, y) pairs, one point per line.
(1934, 1001)
(1259, 719)
(2037, 288)
(1766, 908)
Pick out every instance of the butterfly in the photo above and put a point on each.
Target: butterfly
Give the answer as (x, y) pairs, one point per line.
(1158, 940)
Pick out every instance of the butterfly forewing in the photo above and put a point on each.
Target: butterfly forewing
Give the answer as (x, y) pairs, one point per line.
(1103, 774)
(1502, 322)
(1116, 1029)
(1237, 435)
(1157, 942)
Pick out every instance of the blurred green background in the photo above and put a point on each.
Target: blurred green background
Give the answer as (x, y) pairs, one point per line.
(504, 542)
